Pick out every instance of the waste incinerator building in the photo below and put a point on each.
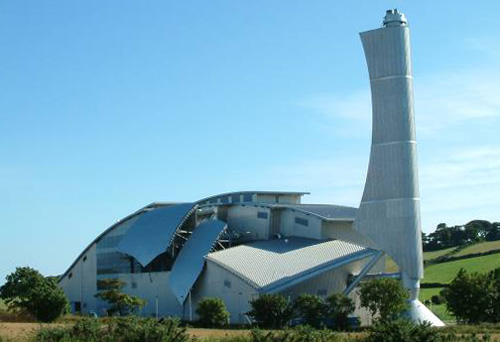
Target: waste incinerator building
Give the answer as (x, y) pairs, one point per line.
(237, 246)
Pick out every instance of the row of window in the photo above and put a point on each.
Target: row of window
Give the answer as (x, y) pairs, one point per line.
(115, 262)
(235, 198)
(109, 241)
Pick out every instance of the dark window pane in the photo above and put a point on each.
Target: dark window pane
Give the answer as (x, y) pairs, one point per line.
(262, 215)
(301, 221)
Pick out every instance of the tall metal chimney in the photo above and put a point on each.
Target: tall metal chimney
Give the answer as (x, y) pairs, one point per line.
(389, 213)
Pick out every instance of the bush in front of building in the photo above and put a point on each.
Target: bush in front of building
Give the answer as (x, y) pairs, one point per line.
(271, 311)
(311, 309)
(28, 291)
(339, 307)
(384, 297)
(120, 303)
(212, 312)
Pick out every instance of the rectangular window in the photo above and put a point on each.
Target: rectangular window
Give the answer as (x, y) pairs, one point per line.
(247, 197)
(235, 198)
(301, 221)
(227, 283)
(262, 215)
(113, 263)
(109, 241)
(224, 199)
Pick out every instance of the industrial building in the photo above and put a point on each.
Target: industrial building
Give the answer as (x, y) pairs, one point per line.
(234, 246)
(239, 245)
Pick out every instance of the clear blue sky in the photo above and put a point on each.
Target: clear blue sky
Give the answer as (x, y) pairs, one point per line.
(106, 106)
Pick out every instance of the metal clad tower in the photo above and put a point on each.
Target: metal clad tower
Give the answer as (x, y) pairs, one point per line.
(389, 213)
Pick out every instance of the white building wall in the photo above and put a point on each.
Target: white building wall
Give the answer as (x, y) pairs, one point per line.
(289, 226)
(152, 287)
(79, 283)
(283, 199)
(332, 282)
(244, 218)
(345, 231)
(218, 282)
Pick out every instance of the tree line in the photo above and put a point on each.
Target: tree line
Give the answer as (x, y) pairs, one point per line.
(461, 235)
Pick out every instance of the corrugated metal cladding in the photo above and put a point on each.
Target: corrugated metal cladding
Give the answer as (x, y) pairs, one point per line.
(271, 262)
(153, 232)
(389, 213)
(327, 211)
(191, 258)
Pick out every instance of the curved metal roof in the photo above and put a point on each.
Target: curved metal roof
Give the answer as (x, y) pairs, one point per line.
(191, 258)
(154, 231)
(273, 265)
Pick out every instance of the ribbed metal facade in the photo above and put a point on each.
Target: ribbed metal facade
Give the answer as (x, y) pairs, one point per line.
(389, 213)
(275, 262)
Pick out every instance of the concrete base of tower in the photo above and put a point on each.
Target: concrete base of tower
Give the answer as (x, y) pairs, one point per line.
(418, 313)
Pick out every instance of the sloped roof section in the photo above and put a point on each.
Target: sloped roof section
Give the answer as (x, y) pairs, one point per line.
(327, 211)
(273, 265)
(191, 258)
(153, 232)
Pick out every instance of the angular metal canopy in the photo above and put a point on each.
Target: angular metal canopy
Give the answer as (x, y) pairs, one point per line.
(191, 258)
(274, 265)
(154, 231)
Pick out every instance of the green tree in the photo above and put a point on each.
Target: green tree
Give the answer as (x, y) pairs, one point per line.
(271, 311)
(26, 290)
(384, 296)
(469, 297)
(339, 308)
(311, 308)
(212, 312)
(120, 302)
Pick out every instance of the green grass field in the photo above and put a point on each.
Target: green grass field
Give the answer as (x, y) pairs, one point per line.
(445, 272)
(479, 248)
(437, 254)
(439, 310)
(2, 305)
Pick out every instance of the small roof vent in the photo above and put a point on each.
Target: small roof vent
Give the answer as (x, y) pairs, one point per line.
(394, 18)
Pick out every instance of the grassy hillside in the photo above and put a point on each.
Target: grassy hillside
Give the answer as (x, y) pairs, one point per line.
(437, 254)
(479, 248)
(2, 305)
(445, 272)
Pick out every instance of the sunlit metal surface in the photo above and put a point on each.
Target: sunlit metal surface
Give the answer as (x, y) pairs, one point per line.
(191, 258)
(273, 265)
(153, 232)
(389, 213)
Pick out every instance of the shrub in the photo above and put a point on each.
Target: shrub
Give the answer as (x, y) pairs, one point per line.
(120, 302)
(402, 331)
(438, 299)
(271, 311)
(299, 334)
(468, 297)
(129, 329)
(26, 290)
(212, 312)
(312, 309)
(339, 308)
(384, 296)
